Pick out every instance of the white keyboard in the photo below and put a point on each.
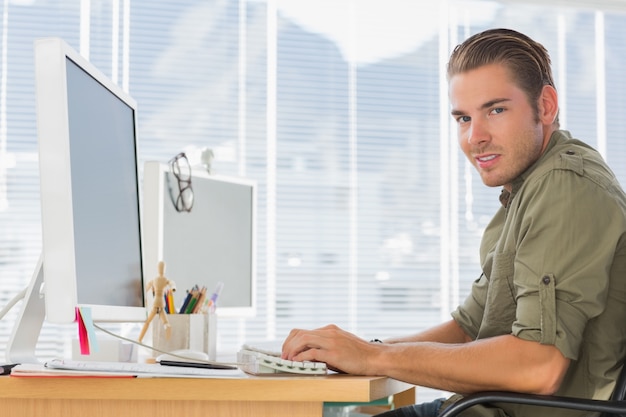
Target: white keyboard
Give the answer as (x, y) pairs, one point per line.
(258, 361)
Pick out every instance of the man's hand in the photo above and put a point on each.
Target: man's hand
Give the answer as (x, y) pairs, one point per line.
(340, 350)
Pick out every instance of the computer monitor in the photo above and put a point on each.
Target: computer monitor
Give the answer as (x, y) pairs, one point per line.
(214, 242)
(90, 213)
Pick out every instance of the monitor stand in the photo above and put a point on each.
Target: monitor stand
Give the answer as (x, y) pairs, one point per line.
(23, 340)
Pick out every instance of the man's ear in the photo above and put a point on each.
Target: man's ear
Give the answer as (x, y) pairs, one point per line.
(548, 105)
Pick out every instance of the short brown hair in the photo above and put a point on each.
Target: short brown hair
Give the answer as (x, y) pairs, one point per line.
(528, 61)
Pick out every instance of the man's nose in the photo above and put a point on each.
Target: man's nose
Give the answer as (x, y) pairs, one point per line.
(478, 133)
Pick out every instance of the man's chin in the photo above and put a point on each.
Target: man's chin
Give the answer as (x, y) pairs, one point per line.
(490, 181)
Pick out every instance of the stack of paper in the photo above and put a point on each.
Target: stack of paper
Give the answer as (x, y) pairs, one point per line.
(61, 367)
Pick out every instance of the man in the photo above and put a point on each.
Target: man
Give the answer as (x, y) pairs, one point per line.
(547, 313)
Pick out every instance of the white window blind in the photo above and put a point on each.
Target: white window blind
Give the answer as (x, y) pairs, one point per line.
(369, 215)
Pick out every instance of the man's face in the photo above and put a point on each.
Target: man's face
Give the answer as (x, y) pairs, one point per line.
(497, 127)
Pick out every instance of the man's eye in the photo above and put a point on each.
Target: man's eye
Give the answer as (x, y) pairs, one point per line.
(497, 110)
(463, 119)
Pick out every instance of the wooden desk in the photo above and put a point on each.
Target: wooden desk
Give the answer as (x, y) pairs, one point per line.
(283, 396)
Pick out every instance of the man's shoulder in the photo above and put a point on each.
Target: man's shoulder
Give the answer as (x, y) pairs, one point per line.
(571, 173)
(568, 154)
(564, 144)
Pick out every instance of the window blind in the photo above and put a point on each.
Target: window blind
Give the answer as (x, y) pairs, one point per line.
(369, 215)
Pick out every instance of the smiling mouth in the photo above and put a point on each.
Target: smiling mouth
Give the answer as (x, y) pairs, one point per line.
(486, 158)
(487, 161)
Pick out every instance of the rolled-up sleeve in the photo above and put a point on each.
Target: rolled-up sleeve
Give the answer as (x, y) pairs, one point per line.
(469, 315)
(564, 253)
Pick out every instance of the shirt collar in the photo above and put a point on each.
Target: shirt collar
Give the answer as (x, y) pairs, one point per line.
(556, 137)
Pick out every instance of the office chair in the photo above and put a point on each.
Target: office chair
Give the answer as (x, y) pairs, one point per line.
(615, 406)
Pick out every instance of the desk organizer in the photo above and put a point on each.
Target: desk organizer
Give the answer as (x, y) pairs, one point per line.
(189, 331)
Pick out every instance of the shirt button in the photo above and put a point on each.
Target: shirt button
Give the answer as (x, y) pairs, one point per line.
(546, 279)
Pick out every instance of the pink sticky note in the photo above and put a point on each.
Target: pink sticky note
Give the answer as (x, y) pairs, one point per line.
(83, 339)
(86, 331)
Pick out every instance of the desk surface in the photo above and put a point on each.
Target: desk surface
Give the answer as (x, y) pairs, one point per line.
(154, 397)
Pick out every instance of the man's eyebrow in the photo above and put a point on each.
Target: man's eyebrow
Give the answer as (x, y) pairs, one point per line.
(486, 105)
(493, 102)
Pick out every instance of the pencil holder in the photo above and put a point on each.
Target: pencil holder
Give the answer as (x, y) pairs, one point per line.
(189, 331)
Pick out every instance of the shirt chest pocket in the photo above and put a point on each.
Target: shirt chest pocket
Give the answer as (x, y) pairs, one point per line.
(500, 302)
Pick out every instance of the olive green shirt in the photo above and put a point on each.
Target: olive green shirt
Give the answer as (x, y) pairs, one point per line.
(554, 271)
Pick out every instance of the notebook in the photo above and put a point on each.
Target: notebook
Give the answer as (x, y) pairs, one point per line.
(263, 360)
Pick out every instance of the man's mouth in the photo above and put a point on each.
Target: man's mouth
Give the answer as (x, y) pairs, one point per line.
(485, 161)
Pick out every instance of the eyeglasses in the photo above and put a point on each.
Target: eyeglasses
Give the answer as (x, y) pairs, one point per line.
(181, 169)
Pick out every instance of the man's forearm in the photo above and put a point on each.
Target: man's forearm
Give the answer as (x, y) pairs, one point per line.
(500, 363)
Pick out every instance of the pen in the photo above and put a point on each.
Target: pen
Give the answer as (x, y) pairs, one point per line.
(183, 308)
(198, 305)
(170, 302)
(195, 295)
(213, 299)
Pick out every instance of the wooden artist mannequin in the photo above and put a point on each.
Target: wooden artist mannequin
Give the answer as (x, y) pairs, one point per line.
(158, 286)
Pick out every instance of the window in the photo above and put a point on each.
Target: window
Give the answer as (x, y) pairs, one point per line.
(369, 215)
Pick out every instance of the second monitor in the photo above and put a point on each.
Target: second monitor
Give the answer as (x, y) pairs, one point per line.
(213, 242)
